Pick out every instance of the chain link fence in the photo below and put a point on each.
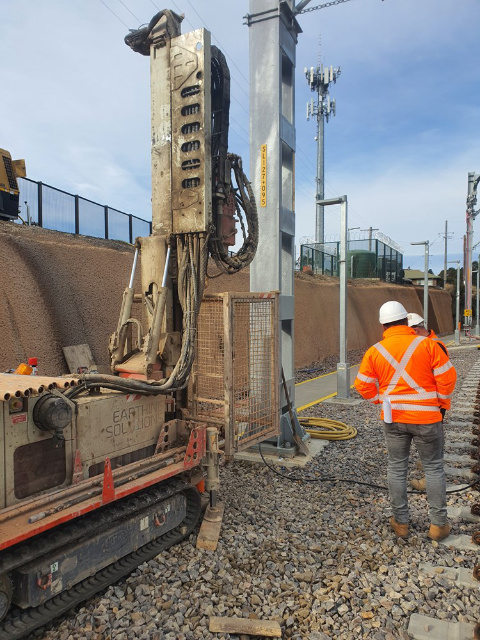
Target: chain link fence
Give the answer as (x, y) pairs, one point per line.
(369, 258)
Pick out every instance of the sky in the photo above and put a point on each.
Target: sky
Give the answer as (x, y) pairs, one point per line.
(76, 106)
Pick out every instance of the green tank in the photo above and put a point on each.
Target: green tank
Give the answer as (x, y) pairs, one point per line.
(361, 264)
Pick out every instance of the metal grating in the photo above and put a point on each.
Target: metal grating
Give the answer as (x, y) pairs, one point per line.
(10, 172)
(208, 375)
(235, 377)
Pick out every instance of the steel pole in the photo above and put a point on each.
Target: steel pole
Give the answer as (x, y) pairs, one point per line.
(473, 180)
(425, 287)
(343, 370)
(445, 256)
(477, 328)
(320, 213)
(457, 310)
(467, 262)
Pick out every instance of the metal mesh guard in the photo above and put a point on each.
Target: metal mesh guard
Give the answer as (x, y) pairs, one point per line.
(236, 369)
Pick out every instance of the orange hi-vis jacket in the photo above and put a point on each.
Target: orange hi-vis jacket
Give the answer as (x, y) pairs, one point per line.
(412, 371)
(433, 336)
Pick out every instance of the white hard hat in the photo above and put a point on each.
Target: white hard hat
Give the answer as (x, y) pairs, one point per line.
(414, 320)
(391, 311)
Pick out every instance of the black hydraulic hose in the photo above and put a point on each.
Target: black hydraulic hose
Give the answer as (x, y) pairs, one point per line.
(193, 252)
(350, 480)
(244, 200)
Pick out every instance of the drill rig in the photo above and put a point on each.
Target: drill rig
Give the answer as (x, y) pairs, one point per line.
(100, 471)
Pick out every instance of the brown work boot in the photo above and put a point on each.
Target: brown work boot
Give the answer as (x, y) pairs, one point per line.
(400, 528)
(438, 533)
(419, 485)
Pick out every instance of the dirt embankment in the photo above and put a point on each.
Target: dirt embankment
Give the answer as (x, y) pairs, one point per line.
(58, 290)
(61, 290)
(317, 311)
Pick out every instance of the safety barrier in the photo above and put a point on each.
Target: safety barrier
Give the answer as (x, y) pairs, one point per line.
(53, 208)
(369, 258)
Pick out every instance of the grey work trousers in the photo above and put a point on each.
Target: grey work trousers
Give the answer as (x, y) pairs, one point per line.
(429, 441)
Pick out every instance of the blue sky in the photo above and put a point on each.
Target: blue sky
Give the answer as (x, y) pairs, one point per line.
(401, 145)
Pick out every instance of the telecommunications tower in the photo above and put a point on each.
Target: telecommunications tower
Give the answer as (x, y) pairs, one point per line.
(319, 80)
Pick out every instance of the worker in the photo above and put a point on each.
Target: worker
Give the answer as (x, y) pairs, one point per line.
(413, 378)
(418, 325)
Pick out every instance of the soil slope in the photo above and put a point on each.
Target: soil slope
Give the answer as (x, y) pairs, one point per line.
(61, 290)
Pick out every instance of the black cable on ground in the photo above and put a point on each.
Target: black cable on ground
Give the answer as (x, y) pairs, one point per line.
(350, 480)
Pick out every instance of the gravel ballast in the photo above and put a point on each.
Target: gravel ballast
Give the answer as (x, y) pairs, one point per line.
(319, 557)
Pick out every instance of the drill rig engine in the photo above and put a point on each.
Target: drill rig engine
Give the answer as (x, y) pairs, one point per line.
(100, 470)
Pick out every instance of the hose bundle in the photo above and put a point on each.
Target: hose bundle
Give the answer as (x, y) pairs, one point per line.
(192, 256)
(326, 429)
(246, 210)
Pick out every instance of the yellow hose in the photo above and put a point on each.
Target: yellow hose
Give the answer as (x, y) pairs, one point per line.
(325, 429)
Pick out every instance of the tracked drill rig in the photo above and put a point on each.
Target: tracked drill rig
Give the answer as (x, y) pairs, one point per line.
(100, 471)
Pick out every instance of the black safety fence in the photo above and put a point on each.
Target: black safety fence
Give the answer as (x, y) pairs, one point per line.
(52, 208)
(370, 258)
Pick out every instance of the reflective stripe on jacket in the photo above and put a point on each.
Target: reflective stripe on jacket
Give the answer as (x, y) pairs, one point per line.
(412, 371)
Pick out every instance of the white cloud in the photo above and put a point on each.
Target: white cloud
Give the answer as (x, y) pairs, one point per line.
(401, 145)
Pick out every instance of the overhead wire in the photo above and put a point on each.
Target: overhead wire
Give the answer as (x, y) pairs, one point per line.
(131, 12)
(112, 11)
(300, 155)
(216, 39)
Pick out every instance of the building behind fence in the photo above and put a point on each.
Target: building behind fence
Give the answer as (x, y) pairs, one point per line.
(52, 208)
(369, 258)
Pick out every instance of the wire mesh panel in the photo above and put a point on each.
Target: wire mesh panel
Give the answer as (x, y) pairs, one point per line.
(235, 378)
(209, 368)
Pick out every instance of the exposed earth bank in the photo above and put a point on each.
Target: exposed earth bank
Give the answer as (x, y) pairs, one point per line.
(59, 290)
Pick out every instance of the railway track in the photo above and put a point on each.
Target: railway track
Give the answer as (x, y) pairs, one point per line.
(462, 459)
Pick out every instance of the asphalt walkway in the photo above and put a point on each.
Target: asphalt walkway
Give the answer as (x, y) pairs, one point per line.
(310, 392)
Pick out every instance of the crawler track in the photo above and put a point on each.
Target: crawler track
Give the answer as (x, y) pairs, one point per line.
(20, 622)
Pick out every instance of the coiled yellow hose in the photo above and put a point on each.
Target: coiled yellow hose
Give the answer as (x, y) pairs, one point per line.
(325, 429)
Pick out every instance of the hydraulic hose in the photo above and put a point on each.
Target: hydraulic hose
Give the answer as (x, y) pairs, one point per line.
(325, 429)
